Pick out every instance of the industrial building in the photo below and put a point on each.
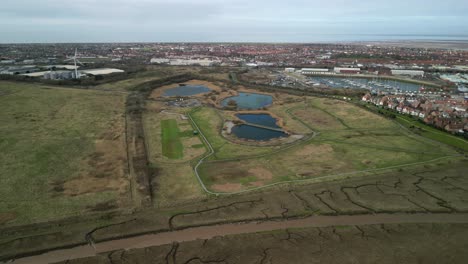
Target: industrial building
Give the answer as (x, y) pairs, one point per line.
(307, 71)
(66, 74)
(101, 71)
(7, 61)
(59, 75)
(412, 73)
(14, 70)
(185, 62)
(347, 70)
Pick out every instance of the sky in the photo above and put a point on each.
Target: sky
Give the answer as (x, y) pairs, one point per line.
(33, 21)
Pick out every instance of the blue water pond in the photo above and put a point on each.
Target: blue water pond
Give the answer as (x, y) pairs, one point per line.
(187, 90)
(257, 133)
(246, 101)
(259, 119)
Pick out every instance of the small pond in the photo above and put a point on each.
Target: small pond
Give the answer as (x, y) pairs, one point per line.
(256, 133)
(187, 90)
(249, 101)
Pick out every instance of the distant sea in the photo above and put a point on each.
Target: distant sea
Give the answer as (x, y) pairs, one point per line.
(387, 37)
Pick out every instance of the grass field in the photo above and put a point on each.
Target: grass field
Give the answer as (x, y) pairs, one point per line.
(175, 179)
(426, 131)
(351, 139)
(171, 145)
(62, 152)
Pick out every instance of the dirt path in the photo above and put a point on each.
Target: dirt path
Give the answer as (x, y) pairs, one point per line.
(208, 232)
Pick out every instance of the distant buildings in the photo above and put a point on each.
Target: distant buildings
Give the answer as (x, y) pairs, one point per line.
(448, 113)
(412, 73)
(15, 70)
(59, 75)
(307, 71)
(53, 74)
(185, 62)
(7, 61)
(347, 70)
(102, 71)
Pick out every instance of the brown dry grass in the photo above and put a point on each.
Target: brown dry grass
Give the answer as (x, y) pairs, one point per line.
(6, 217)
(101, 171)
(352, 115)
(261, 173)
(227, 187)
(318, 119)
(323, 150)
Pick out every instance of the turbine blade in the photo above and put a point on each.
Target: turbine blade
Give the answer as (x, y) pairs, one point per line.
(79, 62)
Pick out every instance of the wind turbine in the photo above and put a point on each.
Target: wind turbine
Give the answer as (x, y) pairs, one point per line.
(75, 60)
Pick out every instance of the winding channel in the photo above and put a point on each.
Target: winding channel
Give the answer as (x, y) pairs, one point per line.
(208, 232)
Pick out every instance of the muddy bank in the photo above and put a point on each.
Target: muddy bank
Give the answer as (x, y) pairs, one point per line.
(208, 232)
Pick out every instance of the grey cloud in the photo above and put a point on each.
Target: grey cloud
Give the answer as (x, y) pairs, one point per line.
(219, 20)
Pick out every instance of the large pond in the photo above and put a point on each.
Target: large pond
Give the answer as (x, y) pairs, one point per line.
(187, 90)
(257, 133)
(249, 101)
(259, 119)
(365, 83)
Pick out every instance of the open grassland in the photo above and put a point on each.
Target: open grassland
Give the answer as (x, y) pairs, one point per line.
(171, 145)
(176, 183)
(351, 139)
(151, 74)
(62, 152)
(290, 122)
(175, 180)
(424, 130)
(139, 78)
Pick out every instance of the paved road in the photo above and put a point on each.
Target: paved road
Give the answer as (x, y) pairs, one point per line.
(208, 232)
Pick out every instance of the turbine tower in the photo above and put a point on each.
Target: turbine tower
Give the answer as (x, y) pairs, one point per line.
(75, 60)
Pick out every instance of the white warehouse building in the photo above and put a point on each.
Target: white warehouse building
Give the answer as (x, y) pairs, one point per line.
(306, 71)
(411, 73)
(347, 70)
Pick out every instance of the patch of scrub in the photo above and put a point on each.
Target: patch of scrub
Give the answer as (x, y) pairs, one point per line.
(172, 147)
(248, 101)
(187, 90)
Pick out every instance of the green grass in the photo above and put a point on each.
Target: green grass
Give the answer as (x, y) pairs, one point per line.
(363, 141)
(186, 133)
(171, 145)
(46, 134)
(425, 130)
(432, 133)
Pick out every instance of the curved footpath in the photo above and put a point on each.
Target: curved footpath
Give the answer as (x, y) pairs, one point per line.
(207, 232)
